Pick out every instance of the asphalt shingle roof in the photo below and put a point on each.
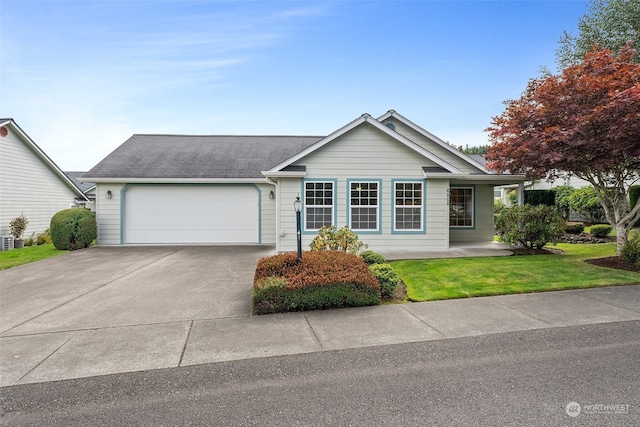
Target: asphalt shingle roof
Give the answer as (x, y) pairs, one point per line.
(185, 156)
(75, 178)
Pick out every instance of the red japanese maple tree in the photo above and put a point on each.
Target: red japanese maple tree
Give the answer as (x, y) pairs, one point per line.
(585, 122)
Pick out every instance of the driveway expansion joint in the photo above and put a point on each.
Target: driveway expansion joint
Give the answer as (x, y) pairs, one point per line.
(186, 343)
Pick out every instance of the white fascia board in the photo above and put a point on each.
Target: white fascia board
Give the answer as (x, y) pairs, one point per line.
(426, 133)
(284, 174)
(417, 148)
(175, 180)
(46, 159)
(385, 129)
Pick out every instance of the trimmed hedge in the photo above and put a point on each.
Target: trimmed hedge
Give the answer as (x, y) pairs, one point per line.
(370, 257)
(540, 197)
(387, 278)
(600, 230)
(321, 280)
(575, 228)
(73, 229)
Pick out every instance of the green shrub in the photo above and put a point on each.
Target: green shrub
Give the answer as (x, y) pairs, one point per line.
(631, 251)
(513, 197)
(370, 257)
(387, 278)
(330, 238)
(530, 226)
(31, 240)
(575, 228)
(600, 230)
(44, 238)
(540, 197)
(498, 206)
(562, 200)
(321, 280)
(73, 229)
(585, 202)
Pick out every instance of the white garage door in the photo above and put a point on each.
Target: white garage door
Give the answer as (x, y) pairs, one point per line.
(191, 214)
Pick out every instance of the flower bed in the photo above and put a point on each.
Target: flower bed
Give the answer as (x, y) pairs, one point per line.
(321, 280)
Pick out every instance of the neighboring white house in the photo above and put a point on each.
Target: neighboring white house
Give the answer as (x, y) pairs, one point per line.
(30, 182)
(87, 188)
(397, 185)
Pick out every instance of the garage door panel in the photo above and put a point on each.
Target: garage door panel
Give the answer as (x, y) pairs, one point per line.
(191, 214)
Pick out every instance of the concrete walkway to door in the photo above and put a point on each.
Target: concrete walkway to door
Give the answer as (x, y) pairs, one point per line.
(107, 310)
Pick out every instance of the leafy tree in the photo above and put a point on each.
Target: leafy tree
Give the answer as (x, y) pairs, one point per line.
(586, 122)
(482, 149)
(609, 23)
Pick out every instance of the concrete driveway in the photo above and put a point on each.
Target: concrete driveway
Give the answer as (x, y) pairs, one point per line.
(125, 309)
(89, 297)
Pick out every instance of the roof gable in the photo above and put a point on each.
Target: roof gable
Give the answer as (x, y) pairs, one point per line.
(33, 147)
(473, 163)
(365, 118)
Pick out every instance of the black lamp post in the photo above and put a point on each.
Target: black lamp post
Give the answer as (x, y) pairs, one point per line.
(297, 205)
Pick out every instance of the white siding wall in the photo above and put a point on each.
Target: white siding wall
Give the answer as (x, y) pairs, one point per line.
(268, 215)
(108, 213)
(366, 153)
(28, 185)
(431, 146)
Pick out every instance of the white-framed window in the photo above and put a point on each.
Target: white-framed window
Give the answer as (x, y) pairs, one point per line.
(363, 205)
(318, 204)
(408, 206)
(461, 207)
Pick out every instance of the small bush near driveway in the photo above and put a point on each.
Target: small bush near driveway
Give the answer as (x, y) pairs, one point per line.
(321, 280)
(387, 278)
(73, 229)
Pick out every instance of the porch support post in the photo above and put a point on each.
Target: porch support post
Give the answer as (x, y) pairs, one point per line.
(521, 194)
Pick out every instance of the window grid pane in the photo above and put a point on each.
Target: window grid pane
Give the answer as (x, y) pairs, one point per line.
(318, 202)
(461, 207)
(364, 205)
(408, 206)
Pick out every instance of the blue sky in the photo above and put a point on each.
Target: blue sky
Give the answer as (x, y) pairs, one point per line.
(82, 76)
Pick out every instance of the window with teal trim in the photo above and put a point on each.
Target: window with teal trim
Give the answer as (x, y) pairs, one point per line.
(461, 207)
(408, 206)
(363, 202)
(318, 204)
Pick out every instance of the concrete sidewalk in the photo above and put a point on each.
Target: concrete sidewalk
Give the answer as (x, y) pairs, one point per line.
(74, 353)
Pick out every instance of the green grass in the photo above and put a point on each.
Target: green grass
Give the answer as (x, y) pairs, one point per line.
(435, 279)
(26, 255)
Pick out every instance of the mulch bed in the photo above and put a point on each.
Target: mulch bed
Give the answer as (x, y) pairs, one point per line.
(610, 262)
(614, 262)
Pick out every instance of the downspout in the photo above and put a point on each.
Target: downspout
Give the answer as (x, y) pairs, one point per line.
(275, 183)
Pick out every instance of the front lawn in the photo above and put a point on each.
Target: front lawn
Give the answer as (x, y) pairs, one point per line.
(26, 255)
(436, 279)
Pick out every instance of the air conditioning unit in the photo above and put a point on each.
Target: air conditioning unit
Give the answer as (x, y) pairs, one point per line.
(6, 243)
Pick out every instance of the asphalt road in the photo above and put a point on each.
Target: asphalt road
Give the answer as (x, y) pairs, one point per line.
(519, 378)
